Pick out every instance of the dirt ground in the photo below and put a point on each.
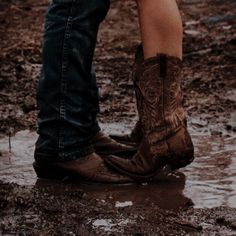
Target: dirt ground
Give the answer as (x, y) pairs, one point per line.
(210, 99)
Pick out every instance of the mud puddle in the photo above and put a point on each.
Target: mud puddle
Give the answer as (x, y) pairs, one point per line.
(209, 182)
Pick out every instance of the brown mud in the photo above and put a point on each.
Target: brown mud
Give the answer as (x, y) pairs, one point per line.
(198, 200)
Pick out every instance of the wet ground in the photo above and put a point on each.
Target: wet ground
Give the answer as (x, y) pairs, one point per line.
(197, 200)
(208, 182)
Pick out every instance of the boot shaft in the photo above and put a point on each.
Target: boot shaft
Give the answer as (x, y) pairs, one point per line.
(157, 83)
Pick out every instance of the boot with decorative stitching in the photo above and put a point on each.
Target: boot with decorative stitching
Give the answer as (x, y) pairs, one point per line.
(165, 139)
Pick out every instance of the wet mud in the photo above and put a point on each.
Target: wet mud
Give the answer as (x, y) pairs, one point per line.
(197, 200)
(208, 182)
(183, 200)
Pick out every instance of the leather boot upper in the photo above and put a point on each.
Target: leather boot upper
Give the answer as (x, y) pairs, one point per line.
(157, 84)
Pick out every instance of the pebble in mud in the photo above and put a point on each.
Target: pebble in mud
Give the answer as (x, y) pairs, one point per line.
(216, 132)
(123, 204)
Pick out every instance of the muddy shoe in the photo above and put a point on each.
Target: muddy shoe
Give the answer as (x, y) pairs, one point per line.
(165, 140)
(104, 145)
(90, 169)
(135, 136)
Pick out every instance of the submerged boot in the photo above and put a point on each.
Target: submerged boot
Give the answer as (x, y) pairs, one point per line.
(135, 136)
(166, 140)
(90, 168)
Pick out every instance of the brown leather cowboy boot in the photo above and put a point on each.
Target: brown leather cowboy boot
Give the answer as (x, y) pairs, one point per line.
(135, 136)
(166, 140)
(90, 168)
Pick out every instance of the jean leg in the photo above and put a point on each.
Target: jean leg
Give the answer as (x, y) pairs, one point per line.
(67, 92)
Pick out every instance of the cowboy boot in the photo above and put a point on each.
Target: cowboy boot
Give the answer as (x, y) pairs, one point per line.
(166, 140)
(90, 169)
(135, 136)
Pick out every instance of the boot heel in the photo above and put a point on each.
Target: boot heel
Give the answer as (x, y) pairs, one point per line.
(181, 161)
(182, 150)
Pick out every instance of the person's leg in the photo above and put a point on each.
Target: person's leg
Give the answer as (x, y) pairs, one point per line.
(161, 32)
(67, 92)
(68, 96)
(161, 27)
(157, 84)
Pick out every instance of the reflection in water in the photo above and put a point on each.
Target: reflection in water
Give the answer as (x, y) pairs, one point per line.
(17, 165)
(210, 180)
(167, 193)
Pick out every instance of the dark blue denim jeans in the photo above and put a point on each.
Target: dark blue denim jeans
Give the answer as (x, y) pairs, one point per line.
(67, 92)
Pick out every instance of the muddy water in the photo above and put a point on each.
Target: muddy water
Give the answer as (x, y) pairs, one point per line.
(209, 182)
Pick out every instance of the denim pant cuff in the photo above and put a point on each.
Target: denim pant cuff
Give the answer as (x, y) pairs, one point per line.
(65, 156)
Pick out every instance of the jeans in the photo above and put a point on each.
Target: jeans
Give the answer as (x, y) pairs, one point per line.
(67, 92)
